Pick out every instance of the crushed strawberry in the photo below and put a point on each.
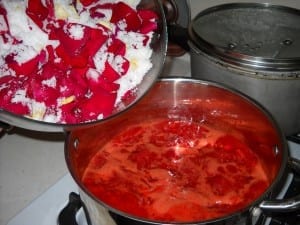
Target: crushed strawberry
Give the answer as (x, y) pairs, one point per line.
(174, 181)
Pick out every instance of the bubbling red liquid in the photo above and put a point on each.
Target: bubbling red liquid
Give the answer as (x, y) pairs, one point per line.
(176, 171)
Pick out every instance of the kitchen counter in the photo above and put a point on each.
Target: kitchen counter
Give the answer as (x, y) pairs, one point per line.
(31, 162)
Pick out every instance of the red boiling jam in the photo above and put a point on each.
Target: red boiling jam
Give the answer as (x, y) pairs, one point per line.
(176, 171)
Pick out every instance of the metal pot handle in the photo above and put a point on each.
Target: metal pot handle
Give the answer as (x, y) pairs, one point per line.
(4, 127)
(284, 205)
(68, 214)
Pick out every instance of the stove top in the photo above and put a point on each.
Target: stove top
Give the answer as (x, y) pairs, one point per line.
(46, 208)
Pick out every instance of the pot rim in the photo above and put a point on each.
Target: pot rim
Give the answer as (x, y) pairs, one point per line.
(255, 203)
(231, 56)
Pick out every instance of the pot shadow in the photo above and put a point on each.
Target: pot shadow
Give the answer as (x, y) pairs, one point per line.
(44, 136)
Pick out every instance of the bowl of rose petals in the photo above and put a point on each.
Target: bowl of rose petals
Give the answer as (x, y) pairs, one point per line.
(68, 64)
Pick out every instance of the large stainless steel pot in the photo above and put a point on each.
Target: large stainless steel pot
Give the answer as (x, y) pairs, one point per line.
(193, 100)
(254, 48)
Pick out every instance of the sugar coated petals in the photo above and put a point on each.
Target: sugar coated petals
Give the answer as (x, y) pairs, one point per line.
(67, 62)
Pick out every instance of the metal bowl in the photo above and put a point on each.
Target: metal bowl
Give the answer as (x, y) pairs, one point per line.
(159, 47)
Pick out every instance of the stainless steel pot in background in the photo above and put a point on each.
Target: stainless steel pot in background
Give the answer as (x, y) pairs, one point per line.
(254, 48)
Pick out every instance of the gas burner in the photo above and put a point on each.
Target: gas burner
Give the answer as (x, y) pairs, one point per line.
(294, 138)
(67, 216)
(290, 218)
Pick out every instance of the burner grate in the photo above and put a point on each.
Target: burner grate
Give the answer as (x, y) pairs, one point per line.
(287, 218)
(292, 218)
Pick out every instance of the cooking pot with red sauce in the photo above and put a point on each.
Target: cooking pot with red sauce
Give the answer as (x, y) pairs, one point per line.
(190, 152)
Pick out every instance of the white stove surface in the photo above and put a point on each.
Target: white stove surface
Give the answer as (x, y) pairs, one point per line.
(45, 209)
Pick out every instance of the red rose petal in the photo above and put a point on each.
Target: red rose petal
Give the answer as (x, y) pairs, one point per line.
(122, 11)
(28, 67)
(101, 102)
(108, 86)
(18, 108)
(96, 40)
(125, 66)
(72, 46)
(146, 14)
(87, 2)
(39, 12)
(79, 60)
(3, 19)
(76, 84)
(104, 80)
(69, 113)
(10, 85)
(7, 90)
(117, 47)
(77, 52)
(129, 97)
(109, 73)
(96, 11)
(43, 93)
(147, 27)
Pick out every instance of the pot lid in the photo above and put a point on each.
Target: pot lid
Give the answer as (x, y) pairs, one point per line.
(250, 34)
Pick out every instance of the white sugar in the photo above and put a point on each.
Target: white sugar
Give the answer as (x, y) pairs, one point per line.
(23, 53)
(20, 97)
(50, 82)
(139, 66)
(52, 118)
(75, 31)
(100, 58)
(92, 74)
(3, 26)
(23, 28)
(117, 63)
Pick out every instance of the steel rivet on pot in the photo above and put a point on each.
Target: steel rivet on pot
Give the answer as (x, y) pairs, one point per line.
(287, 42)
(232, 46)
(76, 143)
(276, 150)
